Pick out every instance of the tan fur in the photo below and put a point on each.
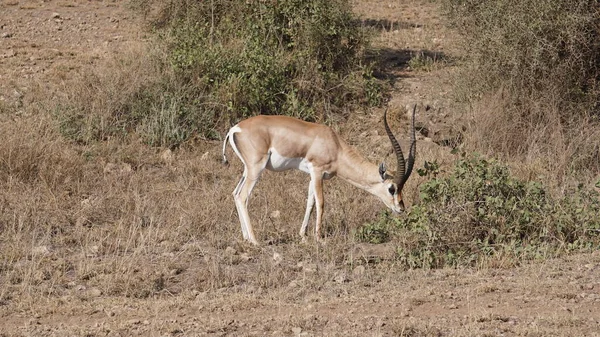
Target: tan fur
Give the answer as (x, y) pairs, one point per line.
(326, 154)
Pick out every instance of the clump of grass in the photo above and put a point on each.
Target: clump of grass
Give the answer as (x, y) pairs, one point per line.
(480, 212)
(422, 61)
(134, 93)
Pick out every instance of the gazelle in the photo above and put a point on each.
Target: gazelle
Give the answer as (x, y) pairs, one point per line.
(280, 143)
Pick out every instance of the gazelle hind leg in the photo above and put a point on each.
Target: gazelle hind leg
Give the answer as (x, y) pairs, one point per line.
(242, 211)
(240, 205)
(243, 194)
(235, 196)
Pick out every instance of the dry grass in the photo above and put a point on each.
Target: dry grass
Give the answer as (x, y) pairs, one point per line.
(121, 219)
(124, 219)
(541, 145)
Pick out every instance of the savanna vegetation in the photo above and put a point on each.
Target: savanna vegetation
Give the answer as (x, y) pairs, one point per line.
(530, 74)
(112, 184)
(215, 62)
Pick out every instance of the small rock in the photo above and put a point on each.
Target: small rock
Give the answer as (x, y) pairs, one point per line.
(175, 271)
(275, 214)
(245, 257)
(277, 258)
(117, 168)
(167, 156)
(359, 270)
(165, 243)
(230, 251)
(341, 278)
(40, 250)
(409, 109)
(297, 330)
(82, 221)
(126, 168)
(94, 292)
(87, 202)
(9, 53)
(55, 15)
(94, 249)
(6, 35)
(307, 267)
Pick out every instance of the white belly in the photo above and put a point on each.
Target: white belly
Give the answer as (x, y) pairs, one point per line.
(278, 162)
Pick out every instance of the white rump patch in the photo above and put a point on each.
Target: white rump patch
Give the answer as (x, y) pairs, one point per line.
(278, 162)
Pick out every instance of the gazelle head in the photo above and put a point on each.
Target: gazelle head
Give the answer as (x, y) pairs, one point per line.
(390, 189)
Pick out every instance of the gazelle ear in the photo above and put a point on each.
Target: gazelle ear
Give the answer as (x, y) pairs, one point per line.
(382, 171)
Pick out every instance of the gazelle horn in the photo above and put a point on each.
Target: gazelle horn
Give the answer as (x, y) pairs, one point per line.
(404, 169)
(412, 151)
(401, 166)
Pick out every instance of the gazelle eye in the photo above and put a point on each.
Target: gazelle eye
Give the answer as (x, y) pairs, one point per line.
(392, 189)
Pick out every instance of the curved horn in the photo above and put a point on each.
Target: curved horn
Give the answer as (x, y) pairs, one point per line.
(401, 168)
(412, 153)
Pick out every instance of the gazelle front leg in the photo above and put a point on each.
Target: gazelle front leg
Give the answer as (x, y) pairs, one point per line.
(317, 184)
(310, 203)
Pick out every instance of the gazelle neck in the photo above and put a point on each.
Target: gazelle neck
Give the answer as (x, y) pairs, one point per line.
(355, 169)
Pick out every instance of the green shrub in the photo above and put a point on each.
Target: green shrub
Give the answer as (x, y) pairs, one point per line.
(285, 57)
(240, 58)
(480, 210)
(377, 232)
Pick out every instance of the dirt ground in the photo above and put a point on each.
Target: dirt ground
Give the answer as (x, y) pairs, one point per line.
(285, 288)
